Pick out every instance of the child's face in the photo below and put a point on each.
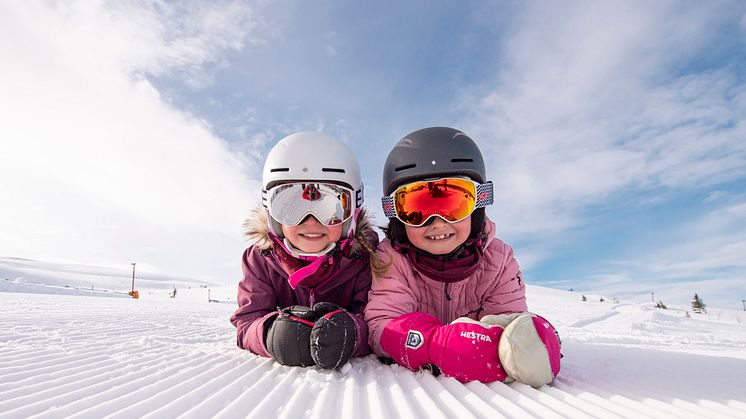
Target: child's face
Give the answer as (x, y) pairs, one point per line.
(439, 237)
(311, 236)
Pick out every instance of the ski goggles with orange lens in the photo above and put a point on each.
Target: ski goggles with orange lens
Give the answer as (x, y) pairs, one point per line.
(452, 199)
(291, 203)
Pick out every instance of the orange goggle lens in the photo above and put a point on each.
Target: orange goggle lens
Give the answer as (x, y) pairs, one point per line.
(452, 199)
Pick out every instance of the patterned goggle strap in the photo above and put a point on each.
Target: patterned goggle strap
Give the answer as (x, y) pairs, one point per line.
(265, 204)
(485, 195)
(388, 206)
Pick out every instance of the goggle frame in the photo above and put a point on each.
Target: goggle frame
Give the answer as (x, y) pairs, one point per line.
(269, 195)
(484, 196)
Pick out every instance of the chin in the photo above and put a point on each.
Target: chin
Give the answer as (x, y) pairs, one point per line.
(314, 248)
(439, 250)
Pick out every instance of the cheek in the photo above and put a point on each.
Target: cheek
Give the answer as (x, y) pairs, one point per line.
(335, 233)
(463, 227)
(413, 233)
(288, 231)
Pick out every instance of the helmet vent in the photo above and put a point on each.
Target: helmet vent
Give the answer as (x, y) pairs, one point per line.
(405, 167)
(281, 169)
(462, 160)
(330, 169)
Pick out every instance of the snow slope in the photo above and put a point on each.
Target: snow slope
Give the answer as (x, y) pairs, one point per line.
(29, 275)
(91, 357)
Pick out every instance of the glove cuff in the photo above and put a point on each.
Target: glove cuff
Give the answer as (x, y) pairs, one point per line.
(406, 339)
(530, 350)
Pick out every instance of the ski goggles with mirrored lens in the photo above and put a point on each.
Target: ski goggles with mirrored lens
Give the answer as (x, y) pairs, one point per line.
(452, 199)
(291, 203)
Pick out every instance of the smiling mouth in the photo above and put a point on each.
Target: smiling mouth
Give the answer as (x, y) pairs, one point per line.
(311, 235)
(439, 237)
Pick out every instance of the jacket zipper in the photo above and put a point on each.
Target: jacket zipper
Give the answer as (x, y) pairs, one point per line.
(446, 314)
(311, 297)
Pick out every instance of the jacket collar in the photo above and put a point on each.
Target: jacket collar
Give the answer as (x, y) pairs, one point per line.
(308, 272)
(455, 266)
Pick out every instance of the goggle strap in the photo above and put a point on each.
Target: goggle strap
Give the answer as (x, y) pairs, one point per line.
(388, 206)
(485, 195)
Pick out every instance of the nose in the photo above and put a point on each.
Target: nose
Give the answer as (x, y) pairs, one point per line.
(438, 222)
(311, 221)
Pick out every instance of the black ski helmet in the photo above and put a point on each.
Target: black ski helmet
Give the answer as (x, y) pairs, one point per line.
(432, 152)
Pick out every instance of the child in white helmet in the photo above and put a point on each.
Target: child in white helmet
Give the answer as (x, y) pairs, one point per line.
(307, 275)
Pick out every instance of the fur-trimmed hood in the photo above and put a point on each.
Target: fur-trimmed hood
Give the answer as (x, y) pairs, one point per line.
(256, 230)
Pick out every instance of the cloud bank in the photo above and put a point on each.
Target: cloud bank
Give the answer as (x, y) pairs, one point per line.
(586, 105)
(94, 163)
(597, 105)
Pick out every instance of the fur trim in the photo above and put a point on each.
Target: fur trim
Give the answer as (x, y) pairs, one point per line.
(365, 235)
(256, 230)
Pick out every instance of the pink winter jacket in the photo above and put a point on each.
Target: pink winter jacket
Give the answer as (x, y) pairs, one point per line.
(495, 288)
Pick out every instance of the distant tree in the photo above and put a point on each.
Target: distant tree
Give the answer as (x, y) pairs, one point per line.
(660, 304)
(584, 299)
(602, 299)
(698, 306)
(616, 300)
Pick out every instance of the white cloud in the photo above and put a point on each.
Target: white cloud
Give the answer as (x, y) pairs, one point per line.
(96, 167)
(595, 99)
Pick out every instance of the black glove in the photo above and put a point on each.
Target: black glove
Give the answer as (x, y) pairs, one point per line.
(289, 335)
(324, 335)
(333, 337)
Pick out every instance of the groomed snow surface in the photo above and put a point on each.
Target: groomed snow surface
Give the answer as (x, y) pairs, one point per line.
(160, 357)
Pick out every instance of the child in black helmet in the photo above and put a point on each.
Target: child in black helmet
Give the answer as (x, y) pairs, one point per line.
(451, 295)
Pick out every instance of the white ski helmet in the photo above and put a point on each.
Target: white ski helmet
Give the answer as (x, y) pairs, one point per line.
(312, 156)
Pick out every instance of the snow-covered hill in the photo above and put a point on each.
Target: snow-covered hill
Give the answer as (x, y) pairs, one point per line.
(24, 275)
(156, 357)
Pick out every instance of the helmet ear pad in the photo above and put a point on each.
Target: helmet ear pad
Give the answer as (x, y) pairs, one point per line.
(274, 226)
(395, 231)
(351, 223)
(478, 218)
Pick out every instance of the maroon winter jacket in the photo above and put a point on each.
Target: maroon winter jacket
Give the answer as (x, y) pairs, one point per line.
(265, 288)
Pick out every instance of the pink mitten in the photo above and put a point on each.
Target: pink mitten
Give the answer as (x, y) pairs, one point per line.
(464, 349)
(467, 350)
(529, 347)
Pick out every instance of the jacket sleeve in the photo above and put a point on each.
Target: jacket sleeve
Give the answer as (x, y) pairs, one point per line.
(256, 303)
(508, 292)
(359, 302)
(360, 296)
(390, 297)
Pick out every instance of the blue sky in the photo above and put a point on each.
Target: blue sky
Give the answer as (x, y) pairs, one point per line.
(614, 131)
